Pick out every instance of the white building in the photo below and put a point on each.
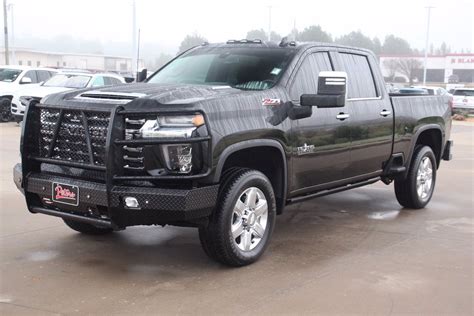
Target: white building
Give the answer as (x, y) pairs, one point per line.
(439, 68)
(27, 57)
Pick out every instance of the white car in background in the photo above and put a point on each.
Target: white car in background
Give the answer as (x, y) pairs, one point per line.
(63, 81)
(463, 100)
(16, 78)
(433, 90)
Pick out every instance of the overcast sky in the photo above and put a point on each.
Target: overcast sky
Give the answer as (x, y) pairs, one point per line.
(167, 22)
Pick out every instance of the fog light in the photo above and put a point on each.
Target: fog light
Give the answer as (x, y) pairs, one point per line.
(178, 157)
(131, 202)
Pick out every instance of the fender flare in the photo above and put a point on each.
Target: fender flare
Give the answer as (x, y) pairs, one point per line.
(253, 143)
(415, 139)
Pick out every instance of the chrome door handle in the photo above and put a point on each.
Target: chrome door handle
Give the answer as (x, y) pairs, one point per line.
(342, 116)
(385, 113)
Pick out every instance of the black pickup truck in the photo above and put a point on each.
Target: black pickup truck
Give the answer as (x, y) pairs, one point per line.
(223, 137)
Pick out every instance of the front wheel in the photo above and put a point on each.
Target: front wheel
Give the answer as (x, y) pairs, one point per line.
(240, 228)
(417, 189)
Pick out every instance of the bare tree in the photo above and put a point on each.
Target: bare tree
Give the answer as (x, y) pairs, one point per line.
(409, 67)
(392, 66)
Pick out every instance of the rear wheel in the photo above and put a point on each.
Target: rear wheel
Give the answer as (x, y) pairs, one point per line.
(87, 229)
(417, 189)
(241, 226)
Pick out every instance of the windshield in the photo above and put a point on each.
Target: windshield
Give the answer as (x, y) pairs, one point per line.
(467, 93)
(241, 68)
(8, 74)
(68, 81)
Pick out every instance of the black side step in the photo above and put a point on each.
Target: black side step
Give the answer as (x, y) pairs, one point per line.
(397, 169)
(331, 191)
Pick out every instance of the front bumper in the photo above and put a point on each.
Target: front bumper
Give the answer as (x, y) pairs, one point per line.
(104, 206)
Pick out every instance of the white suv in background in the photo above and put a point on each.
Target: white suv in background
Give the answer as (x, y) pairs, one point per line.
(15, 78)
(463, 100)
(60, 82)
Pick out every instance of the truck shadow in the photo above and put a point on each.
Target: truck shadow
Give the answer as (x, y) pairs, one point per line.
(366, 220)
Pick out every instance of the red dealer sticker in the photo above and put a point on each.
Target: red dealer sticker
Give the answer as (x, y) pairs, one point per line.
(268, 101)
(65, 193)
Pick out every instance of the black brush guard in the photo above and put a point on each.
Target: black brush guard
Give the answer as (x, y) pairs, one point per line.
(101, 202)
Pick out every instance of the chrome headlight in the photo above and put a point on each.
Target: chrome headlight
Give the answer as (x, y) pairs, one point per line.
(177, 157)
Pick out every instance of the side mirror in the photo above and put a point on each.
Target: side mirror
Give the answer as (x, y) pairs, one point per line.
(141, 76)
(26, 80)
(331, 91)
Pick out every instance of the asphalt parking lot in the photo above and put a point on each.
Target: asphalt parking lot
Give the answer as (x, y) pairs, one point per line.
(355, 252)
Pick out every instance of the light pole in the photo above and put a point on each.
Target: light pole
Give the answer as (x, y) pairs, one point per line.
(5, 30)
(426, 44)
(12, 31)
(134, 40)
(269, 23)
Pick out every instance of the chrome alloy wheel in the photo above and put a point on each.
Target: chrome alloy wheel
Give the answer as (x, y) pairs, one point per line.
(249, 219)
(424, 178)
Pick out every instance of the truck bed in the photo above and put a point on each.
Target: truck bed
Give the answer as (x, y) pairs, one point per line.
(413, 112)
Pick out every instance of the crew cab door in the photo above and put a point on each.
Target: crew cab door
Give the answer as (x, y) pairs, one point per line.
(321, 147)
(371, 114)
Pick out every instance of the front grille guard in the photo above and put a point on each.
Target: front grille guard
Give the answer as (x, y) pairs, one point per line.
(113, 168)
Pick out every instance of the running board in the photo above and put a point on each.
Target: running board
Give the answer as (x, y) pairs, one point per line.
(331, 191)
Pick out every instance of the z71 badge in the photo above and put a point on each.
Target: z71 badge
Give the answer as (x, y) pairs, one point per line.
(268, 101)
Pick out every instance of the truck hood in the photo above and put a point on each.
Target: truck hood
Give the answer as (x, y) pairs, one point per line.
(161, 93)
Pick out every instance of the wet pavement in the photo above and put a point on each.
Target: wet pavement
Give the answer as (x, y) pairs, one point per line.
(355, 252)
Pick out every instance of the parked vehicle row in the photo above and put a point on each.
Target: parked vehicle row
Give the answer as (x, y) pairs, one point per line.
(64, 81)
(28, 82)
(13, 79)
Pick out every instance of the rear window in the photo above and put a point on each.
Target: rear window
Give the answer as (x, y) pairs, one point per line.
(467, 93)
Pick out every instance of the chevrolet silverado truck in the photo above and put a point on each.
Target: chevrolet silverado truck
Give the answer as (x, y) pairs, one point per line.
(223, 137)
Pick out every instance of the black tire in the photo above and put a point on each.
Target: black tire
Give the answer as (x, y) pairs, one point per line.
(5, 110)
(87, 229)
(216, 239)
(406, 190)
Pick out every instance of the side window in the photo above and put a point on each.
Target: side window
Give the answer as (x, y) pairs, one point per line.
(115, 81)
(43, 75)
(360, 81)
(306, 79)
(111, 81)
(98, 82)
(32, 75)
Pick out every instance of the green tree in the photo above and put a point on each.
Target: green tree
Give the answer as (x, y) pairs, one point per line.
(256, 34)
(377, 46)
(314, 33)
(395, 46)
(161, 60)
(262, 35)
(410, 68)
(356, 39)
(275, 37)
(190, 41)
